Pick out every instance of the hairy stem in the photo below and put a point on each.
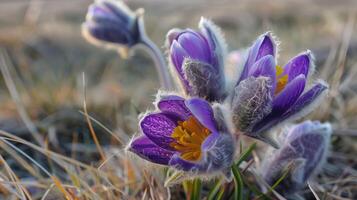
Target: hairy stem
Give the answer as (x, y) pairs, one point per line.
(160, 64)
(156, 55)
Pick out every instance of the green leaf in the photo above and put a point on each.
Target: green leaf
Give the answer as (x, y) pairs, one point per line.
(220, 193)
(246, 153)
(286, 172)
(196, 190)
(214, 190)
(173, 178)
(255, 190)
(238, 189)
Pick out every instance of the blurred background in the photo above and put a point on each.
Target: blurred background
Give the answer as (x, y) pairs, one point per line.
(44, 57)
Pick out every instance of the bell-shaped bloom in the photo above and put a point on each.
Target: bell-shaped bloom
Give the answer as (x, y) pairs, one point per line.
(303, 151)
(267, 95)
(111, 22)
(198, 59)
(185, 134)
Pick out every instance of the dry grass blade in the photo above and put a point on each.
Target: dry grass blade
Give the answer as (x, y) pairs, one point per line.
(20, 160)
(54, 178)
(91, 129)
(23, 191)
(104, 127)
(16, 97)
(313, 191)
(47, 192)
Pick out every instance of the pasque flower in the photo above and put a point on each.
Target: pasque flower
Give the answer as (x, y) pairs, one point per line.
(267, 94)
(112, 22)
(198, 59)
(303, 152)
(186, 134)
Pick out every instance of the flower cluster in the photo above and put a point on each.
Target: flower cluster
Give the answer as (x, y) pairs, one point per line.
(193, 131)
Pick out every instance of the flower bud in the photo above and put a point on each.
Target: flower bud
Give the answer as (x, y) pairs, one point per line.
(111, 22)
(251, 102)
(197, 57)
(303, 152)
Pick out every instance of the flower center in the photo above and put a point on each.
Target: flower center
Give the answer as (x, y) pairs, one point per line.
(189, 135)
(282, 80)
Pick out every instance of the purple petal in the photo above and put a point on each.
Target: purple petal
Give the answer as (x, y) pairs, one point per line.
(172, 35)
(305, 146)
(148, 150)
(203, 111)
(178, 54)
(300, 108)
(216, 42)
(118, 8)
(265, 67)
(289, 94)
(210, 140)
(195, 45)
(181, 164)
(267, 47)
(306, 100)
(175, 105)
(158, 127)
(298, 65)
(95, 12)
(109, 32)
(217, 154)
(263, 46)
(112, 22)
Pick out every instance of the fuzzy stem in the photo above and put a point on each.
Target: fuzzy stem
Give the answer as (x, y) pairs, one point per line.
(160, 65)
(156, 55)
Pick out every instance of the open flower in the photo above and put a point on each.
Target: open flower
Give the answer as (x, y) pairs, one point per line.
(303, 152)
(267, 94)
(185, 135)
(197, 57)
(111, 22)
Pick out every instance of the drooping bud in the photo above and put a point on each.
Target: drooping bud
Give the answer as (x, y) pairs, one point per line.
(111, 23)
(303, 152)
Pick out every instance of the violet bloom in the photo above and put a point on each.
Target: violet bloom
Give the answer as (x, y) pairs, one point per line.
(303, 152)
(111, 22)
(267, 95)
(198, 59)
(186, 134)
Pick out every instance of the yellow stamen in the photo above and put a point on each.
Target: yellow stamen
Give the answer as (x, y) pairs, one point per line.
(189, 136)
(282, 80)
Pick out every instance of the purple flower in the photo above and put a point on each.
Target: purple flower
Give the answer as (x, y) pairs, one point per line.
(267, 95)
(303, 152)
(197, 57)
(184, 134)
(111, 22)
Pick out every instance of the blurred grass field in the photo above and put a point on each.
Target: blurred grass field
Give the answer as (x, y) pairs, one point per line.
(44, 56)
